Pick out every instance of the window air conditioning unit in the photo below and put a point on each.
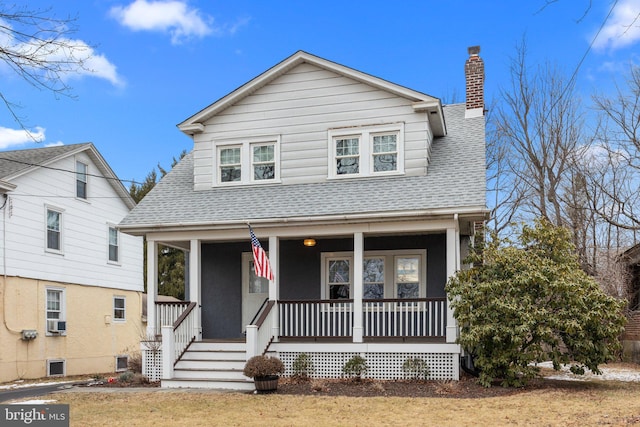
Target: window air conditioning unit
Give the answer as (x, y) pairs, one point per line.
(56, 326)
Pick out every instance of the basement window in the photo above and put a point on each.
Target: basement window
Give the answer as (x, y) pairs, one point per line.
(56, 368)
(122, 363)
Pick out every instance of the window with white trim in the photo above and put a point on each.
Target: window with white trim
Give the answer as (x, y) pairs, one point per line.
(81, 180)
(55, 311)
(114, 248)
(385, 274)
(122, 363)
(54, 230)
(339, 277)
(366, 151)
(253, 161)
(119, 308)
(230, 164)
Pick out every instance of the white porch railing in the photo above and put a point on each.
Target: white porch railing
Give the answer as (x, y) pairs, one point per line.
(325, 318)
(168, 312)
(260, 332)
(177, 337)
(424, 318)
(387, 318)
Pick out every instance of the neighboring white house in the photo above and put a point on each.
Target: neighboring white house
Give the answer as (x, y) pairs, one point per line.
(365, 195)
(71, 284)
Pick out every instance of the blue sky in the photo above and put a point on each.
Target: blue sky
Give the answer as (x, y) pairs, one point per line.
(155, 63)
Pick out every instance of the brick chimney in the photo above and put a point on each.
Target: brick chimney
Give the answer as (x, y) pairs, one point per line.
(474, 74)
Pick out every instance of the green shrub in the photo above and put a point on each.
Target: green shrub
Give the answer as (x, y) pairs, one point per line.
(126, 377)
(303, 366)
(356, 367)
(528, 302)
(416, 369)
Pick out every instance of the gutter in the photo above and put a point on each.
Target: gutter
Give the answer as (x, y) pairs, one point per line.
(478, 212)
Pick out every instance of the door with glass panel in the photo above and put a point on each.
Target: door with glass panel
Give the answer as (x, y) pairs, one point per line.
(254, 290)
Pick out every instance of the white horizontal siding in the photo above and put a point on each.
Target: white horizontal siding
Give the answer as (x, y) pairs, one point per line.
(301, 106)
(84, 257)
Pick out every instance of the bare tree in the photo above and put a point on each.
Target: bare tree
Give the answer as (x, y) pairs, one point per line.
(538, 123)
(618, 179)
(36, 47)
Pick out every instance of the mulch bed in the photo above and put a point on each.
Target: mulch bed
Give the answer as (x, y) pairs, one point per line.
(467, 387)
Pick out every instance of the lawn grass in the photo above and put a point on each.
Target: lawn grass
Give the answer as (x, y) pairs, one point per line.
(610, 403)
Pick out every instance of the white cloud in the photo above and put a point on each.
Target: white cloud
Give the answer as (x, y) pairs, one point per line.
(17, 137)
(172, 16)
(599, 156)
(54, 144)
(68, 58)
(622, 28)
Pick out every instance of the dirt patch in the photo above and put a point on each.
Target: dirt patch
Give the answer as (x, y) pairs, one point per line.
(121, 381)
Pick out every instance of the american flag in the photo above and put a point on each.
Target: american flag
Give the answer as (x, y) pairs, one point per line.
(260, 260)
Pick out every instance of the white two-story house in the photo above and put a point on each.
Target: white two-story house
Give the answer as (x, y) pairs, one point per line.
(71, 284)
(364, 193)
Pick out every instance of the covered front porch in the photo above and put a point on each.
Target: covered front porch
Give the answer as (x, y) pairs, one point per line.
(377, 292)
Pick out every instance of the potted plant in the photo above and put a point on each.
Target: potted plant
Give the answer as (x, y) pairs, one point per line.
(265, 371)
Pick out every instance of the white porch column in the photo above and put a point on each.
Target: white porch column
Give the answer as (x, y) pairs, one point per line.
(358, 258)
(195, 290)
(274, 285)
(152, 288)
(453, 265)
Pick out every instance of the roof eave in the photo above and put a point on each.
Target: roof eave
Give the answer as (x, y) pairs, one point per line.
(435, 115)
(473, 213)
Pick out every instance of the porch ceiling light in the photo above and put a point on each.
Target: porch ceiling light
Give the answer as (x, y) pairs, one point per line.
(309, 242)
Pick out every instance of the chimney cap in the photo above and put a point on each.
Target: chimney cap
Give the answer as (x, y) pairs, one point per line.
(473, 50)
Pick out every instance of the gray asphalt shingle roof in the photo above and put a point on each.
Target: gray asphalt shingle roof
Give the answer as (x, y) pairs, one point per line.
(17, 161)
(455, 179)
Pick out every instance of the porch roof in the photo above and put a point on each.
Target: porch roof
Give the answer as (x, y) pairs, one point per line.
(455, 180)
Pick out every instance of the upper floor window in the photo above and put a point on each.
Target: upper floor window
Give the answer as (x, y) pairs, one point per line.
(113, 244)
(248, 162)
(81, 180)
(366, 151)
(230, 164)
(347, 156)
(54, 230)
(263, 161)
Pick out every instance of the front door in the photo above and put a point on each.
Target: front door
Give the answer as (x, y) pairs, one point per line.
(254, 290)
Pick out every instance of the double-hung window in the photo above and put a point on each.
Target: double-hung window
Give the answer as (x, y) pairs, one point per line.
(119, 309)
(252, 161)
(54, 230)
(230, 164)
(81, 180)
(113, 245)
(263, 161)
(55, 311)
(385, 152)
(347, 156)
(366, 151)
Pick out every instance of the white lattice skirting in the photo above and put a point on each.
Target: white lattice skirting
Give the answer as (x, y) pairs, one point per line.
(152, 364)
(382, 366)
